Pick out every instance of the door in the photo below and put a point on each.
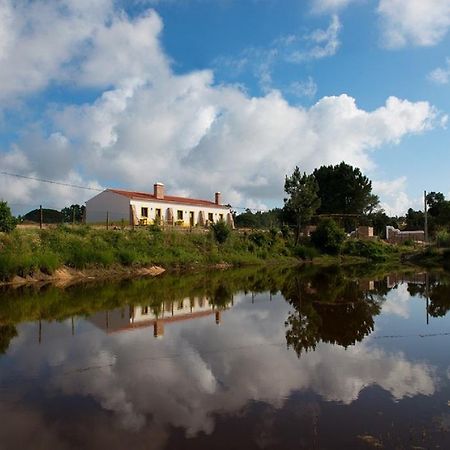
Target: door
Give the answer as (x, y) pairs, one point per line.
(191, 218)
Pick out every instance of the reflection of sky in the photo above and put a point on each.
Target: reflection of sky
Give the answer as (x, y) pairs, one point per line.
(414, 337)
(200, 369)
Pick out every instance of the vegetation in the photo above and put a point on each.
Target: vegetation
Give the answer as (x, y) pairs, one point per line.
(48, 216)
(26, 252)
(343, 189)
(221, 231)
(302, 201)
(73, 213)
(328, 237)
(7, 221)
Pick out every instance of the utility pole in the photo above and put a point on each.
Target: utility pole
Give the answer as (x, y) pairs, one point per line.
(425, 209)
(73, 216)
(41, 217)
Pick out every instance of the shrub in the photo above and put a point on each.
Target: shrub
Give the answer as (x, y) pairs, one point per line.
(305, 252)
(328, 237)
(221, 231)
(7, 221)
(258, 237)
(443, 238)
(373, 250)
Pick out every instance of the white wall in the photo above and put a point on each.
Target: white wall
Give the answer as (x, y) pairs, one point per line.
(117, 206)
(152, 206)
(180, 308)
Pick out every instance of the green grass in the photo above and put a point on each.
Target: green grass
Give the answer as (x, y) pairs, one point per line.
(26, 252)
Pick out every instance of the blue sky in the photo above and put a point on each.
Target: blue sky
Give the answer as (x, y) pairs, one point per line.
(227, 95)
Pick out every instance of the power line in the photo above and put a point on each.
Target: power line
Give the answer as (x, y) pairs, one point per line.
(43, 180)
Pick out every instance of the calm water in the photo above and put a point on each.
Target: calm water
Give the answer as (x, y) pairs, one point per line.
(270, 359)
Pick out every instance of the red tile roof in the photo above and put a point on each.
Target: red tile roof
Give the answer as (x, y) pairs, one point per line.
(167, 198)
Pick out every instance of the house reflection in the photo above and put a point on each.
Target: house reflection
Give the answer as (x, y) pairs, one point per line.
(158, 316)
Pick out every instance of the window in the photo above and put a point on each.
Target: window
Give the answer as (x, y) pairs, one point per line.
(144, 310)
(158, 213)
(220, 217)
(179, 215)
(144, 212)
(210, 217)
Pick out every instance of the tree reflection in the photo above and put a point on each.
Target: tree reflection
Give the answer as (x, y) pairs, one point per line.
(438, 291)
(330, 307)
(7, 332)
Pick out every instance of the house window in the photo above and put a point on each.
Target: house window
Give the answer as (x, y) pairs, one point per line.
(179, 215)
(158, 213)
(220, 217)
(210, 217)
(144, 310)
(144, 212)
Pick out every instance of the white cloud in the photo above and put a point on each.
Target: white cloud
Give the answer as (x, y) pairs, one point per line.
(441, 75)
(393, 198)
(306, 88)
(319, 44)
(149, 124)
(414, 22)
(323, 6)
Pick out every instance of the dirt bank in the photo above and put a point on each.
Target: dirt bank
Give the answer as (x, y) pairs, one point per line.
(65, 276)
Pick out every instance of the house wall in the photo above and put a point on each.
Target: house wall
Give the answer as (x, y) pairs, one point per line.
(116, 206)
(394, 235)
(152, 206)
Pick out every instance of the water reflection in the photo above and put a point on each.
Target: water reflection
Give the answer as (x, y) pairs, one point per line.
(221, 362)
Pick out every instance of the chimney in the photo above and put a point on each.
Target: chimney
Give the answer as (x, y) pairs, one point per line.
(218, 198)
(158, 191)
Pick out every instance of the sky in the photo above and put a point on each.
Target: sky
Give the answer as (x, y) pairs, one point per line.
(222, 95)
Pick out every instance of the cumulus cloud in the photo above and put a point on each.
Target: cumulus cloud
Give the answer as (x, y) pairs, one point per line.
(393, 197)
(413, 22)
(148, 123)
(441, 75)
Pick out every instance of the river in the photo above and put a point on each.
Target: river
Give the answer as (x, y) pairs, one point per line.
(304, 358)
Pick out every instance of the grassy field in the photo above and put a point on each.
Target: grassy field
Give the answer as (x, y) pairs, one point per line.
(27, 251)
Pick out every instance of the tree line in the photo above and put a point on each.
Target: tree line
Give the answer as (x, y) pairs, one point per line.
(343, 193)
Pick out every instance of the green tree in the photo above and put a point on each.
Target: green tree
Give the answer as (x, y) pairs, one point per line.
(328, 237)
(73, 212)
(221, 231)
(7, 221)
(303, 200)
(343, 189)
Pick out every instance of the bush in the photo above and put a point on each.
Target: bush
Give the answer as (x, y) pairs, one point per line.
(373, 250)
(443, 238)
(221, 231)
(305, 252)
(7, 221)
(258, 237)
(328, 237)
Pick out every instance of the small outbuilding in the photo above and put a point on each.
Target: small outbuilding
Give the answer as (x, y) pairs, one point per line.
(142, 208)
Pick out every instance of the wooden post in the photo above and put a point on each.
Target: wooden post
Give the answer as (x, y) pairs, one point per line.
(426, 214)
(107, 220)
(41, 217)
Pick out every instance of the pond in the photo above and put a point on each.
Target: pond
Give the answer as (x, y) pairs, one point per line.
(305, 358)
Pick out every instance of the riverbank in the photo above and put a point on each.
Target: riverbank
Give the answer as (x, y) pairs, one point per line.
(66, 255)
(82, 252)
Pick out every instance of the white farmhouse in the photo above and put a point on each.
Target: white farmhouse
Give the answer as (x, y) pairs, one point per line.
(142, 208)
